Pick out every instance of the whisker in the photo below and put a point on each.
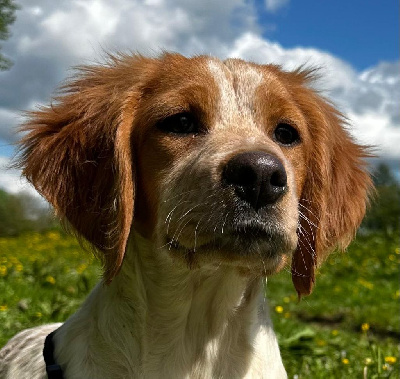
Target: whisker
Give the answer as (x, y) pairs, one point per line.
(223, 224)
(310, 211)
(180, 218)
(304, 217)
(208, 220)
(173, 209)
(261, 257)
(311, 252)
(292, 271)
(309, 233)
(169, 216)
(302, 255)
(308, 242)
(195, 232)
(183, 227)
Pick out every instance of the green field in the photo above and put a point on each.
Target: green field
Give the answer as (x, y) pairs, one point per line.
(348, 328)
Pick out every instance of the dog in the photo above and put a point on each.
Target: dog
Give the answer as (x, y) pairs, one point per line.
(192, 179)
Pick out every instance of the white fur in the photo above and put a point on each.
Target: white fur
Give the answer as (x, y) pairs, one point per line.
(237, 84)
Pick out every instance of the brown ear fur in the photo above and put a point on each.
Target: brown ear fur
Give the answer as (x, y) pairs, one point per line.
(335, 193)
(78, 154)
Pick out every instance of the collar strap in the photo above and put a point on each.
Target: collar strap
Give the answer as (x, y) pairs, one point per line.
(53, 369)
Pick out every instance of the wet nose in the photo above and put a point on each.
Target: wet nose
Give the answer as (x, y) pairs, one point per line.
(258, 178)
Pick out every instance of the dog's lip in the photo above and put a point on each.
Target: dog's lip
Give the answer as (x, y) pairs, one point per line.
(252, 231)
(240, 234)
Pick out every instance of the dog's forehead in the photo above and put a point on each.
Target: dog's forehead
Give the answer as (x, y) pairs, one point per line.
(237, 82)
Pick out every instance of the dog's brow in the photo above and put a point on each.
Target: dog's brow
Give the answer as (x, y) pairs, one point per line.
(237, 86)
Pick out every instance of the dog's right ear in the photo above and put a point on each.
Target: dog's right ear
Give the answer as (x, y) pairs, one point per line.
(77, 153)
(335, 193)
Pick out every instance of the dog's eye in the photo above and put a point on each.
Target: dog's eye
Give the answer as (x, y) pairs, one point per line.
(181, 123)
(286, 134)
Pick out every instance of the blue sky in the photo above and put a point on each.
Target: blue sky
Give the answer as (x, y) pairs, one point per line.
(363, 32)
(354, 42)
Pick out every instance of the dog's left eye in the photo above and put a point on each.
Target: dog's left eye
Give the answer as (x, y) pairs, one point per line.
(286, 134)
(181, 123)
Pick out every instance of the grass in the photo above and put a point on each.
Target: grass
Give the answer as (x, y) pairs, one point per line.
(348, 328)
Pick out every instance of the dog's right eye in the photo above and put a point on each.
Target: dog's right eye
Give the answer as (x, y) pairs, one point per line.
(181, 123)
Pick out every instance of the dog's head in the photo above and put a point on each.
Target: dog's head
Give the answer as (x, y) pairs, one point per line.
(220, 162)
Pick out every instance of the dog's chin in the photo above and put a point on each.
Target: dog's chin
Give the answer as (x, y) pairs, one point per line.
(253, 251)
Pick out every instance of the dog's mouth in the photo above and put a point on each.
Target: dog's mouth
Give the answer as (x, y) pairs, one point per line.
(230, 231)
(253, 231)
(244, 243)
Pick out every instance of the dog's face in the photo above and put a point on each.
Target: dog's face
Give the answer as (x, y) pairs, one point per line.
(219, 162)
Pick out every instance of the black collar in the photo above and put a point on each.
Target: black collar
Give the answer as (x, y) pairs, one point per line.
(53, 370)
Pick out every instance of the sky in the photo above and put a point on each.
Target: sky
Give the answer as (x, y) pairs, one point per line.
(354, 43)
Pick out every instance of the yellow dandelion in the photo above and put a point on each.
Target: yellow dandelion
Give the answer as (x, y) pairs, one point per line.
(392, 258)
(368, 361)
(19, 267)
(365, 327)
(278, 309)
(385, 366)
(38, 314)
(391, 360)
(53, 236)
(397, 250)
(3, 270)
(335, 332)
(286, 299)
(397, 294)
(3, 308)
(337, 289)
(81, 268)
(50, 280)
(366, 284)
(345, 361)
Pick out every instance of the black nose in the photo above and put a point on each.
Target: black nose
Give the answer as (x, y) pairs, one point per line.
(258, 178)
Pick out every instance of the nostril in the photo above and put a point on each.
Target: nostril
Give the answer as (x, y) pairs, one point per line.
(278, 178)
(239, 174)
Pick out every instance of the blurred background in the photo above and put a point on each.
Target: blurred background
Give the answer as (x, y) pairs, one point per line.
(349, 327)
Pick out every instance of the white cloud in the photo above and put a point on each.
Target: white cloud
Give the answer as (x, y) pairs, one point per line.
(253, 47)
(80, 28)
(274, 5)
(10, 119)
(376, 130)
(48, 37)
(11, 179)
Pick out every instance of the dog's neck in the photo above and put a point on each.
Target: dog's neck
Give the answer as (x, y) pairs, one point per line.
(166, 318)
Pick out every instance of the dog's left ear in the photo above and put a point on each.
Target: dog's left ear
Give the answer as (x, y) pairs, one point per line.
(335, 193)
(78, 154)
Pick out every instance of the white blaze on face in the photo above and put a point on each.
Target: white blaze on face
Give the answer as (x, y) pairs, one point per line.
(237, 85)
